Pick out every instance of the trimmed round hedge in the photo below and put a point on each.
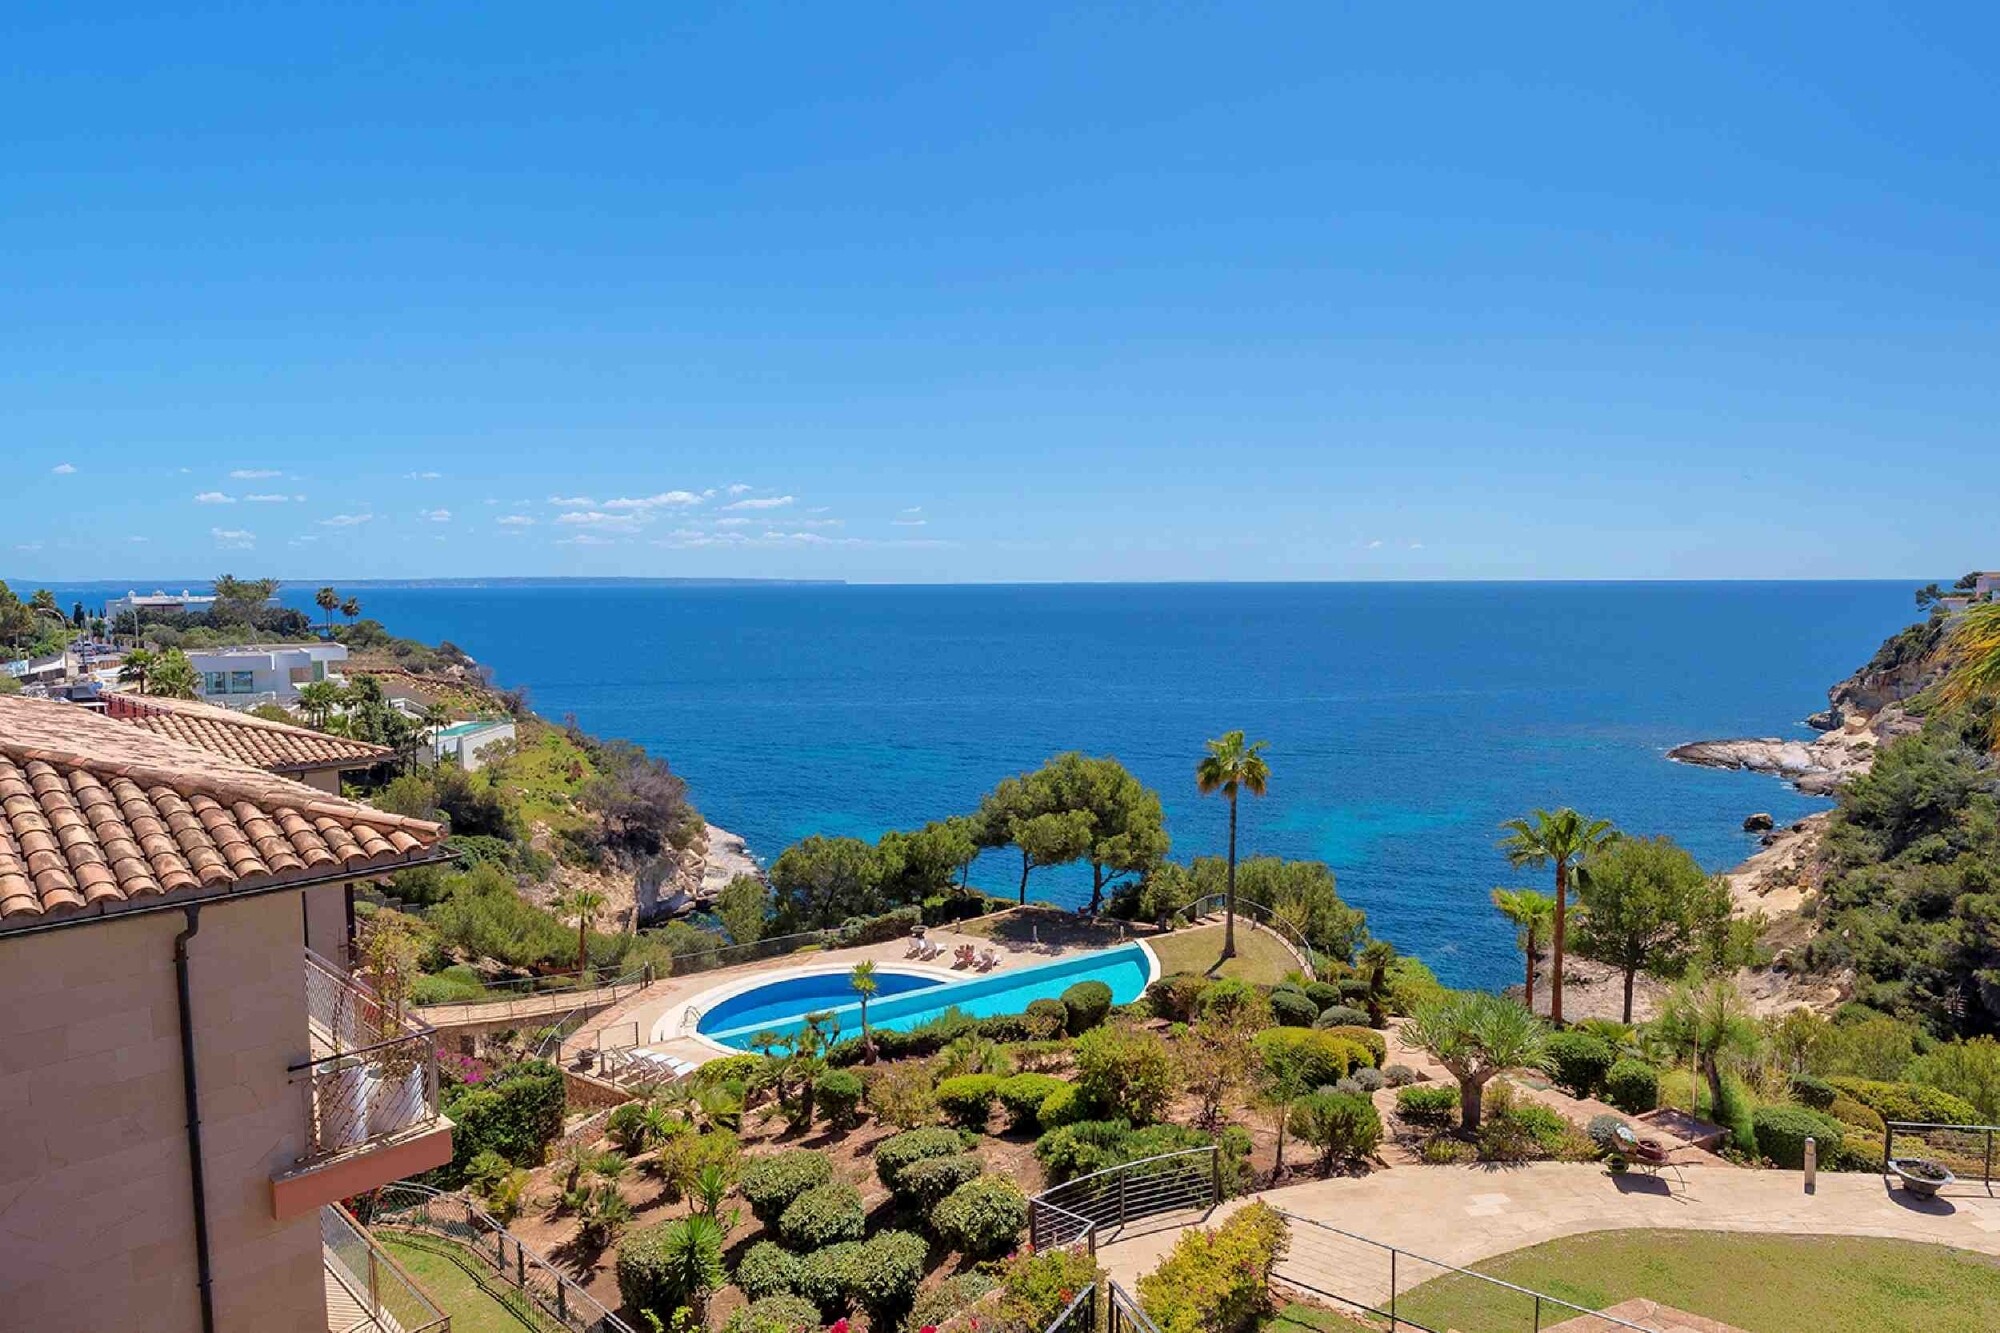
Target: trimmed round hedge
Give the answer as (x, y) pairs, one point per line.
(1088, 1004)
(914, 1145)
(1812, 1090)
(767, 1269)
(837, 1097)
(968, 1099)
(1579, 1062)
(1046, 1019)
(881, 1274)
(1633, 1086)
(983, 1217)
(926, 1183)
(1023, 1095)
(1367, 1038)
(1918, 1103)
(1427, 1103)
(1321, 1058)
(823, 1277)
(824, 1215)
(1782, 1132)
(1065, 1106)
(770, 1184)
(650, 1276)
(1292, 1009)
(1175, 997)
(773, 1312)
(1341, 1016)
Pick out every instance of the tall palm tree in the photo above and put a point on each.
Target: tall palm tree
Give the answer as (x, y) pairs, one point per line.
(328, 602)
(137, 666)
(1230, 767)
(862, 978)
(1376, 956)
(318, 699)
(582, 905)
(351, 608)
(1971, 658)
(1533, 914)
(1556, 838)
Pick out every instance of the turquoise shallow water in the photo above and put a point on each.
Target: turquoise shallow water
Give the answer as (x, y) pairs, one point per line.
(1405, 720)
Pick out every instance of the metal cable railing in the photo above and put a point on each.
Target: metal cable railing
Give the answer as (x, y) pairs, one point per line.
(1123, 1312)
(552, 1301)
(1381, 1280)
(1079, 1316)
(1072, 1214)
(1964, 1150)
(1302, 950)
(373, 1075)
(370, 1292)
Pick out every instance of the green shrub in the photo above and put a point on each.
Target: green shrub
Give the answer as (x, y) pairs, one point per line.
(1603, 1131)
(914, 1145)
(770, 1184)
(1429, 1104)
(968, 1099)
(1341, 1016)
(837, 1097)
(1859, 1151)
(982, 1217)
(1911, 1102)
(1444, 1150)
(927, 1182)
(1293, 1009)
(935, 1305)
(1176, 997)
(1092, 1145)
(1579, 1063)
(1633, 1086)
(1218, 1281)
(1088, 1003)
(1338, 1124)
(881, 1274)
(1023, 1095)
(1366, 1038)
(454, 985)
(1737, 1114)
(1321, 1058)
(1035, 1287)
(1064, 1106)
(1128, 1071)
(1324, 994)
(1782, 1132)
(666, 1266)
(1812, 1090)
(517, 1114)
(823, 1277)
(822, 1216)
(1046, 1019)
(774, 1314)
(1852, 1113)
(767, 1269)
(627, 1126)
(1400, 1076)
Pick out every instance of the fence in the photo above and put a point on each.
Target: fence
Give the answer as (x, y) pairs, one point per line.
(381, 1298)
(1379, 1282)
(549, 1301)
(1964, 1150)
(1308, 958)
(1076, 1212)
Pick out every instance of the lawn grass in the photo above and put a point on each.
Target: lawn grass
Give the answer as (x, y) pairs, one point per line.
(544, 776)
(1767, 1284)
(1260, 958)
(463, 1286)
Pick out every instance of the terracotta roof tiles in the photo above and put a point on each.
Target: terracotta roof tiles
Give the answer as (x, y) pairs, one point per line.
(254, 740)
(96, 813)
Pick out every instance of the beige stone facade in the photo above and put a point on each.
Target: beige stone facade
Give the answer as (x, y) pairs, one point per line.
(96, 1211)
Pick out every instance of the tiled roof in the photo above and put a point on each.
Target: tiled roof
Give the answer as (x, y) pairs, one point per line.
(270, 745)
(95, 814)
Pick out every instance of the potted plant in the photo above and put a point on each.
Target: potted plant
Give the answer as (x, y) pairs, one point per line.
(391, 954)
(1921, 1176)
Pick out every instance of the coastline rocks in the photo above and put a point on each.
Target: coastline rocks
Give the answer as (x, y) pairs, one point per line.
(1816, 767)
(1760, 822)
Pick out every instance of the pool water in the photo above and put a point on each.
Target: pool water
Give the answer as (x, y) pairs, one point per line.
(917, 1001)
(792, 996)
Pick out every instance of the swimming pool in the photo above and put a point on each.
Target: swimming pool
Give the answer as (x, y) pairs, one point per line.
(779, 1006)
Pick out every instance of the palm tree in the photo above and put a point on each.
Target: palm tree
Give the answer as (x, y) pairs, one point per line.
(328, 602)
(138, 665)
(351, 608)
(318, 699)
(862, 978)
(1712, 1019)
(582, 905)
(1376, 956)
(1557, 838)
(1533, 914)
(1475, 1035)
(1230, 766)
(436, 717)
(1971, 657)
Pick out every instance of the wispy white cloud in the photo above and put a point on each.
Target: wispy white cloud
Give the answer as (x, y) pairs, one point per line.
(63, 469)
(584, 539)
(437, 515)
(572, 502)
(739, 488)
(255, 473)
(345, 520)
(908, 522)
(422, 476)
(274, 499)
(233, 539)
(761, 502)
(737, 522)
(27, 546)
(214, 498)
(914, 509)
(515, 521)
(597, 518)
(664, 500)
(136, 540)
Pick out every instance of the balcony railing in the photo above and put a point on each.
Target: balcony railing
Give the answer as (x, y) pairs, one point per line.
(372, 1075)
(367, 1291)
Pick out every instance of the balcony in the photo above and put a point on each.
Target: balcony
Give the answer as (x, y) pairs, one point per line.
(369, 1096)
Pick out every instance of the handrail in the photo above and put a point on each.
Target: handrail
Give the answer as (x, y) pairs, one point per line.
(556, 1033)
(1111, 1192)
(1301, 948)
(340, 1235)
(1062, 1321)
(1126, 1167)
(1122, 1307)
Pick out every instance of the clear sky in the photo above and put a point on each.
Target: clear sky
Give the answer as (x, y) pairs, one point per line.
(944, 292)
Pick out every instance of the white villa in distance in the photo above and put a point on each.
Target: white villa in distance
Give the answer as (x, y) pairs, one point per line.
(167, 603)
(243, 677)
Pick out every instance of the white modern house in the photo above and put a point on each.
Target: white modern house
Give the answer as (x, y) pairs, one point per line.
(244, 677)
(464, 741)
(159, 603)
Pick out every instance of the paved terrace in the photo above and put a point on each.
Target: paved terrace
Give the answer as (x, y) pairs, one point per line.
(1013, 935)
(1461, 1215)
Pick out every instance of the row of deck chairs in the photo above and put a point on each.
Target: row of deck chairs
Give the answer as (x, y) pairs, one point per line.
(640, 1065)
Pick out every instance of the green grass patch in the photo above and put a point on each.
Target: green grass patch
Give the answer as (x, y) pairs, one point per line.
(543, 778)
(1261, 958)
(1768, 1284)
(462, 1286)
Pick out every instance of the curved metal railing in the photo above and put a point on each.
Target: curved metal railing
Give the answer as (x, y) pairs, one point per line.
(1262, 914)
(1072, 1214)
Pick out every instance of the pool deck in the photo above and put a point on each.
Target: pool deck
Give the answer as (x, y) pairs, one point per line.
(670, 994)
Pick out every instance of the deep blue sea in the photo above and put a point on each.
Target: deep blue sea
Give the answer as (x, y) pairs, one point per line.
(1405, 720)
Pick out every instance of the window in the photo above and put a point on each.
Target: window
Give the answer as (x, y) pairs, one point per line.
(215, 682)
(242, 682)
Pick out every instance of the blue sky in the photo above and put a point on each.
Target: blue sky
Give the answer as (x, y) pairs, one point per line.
(998, 292)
